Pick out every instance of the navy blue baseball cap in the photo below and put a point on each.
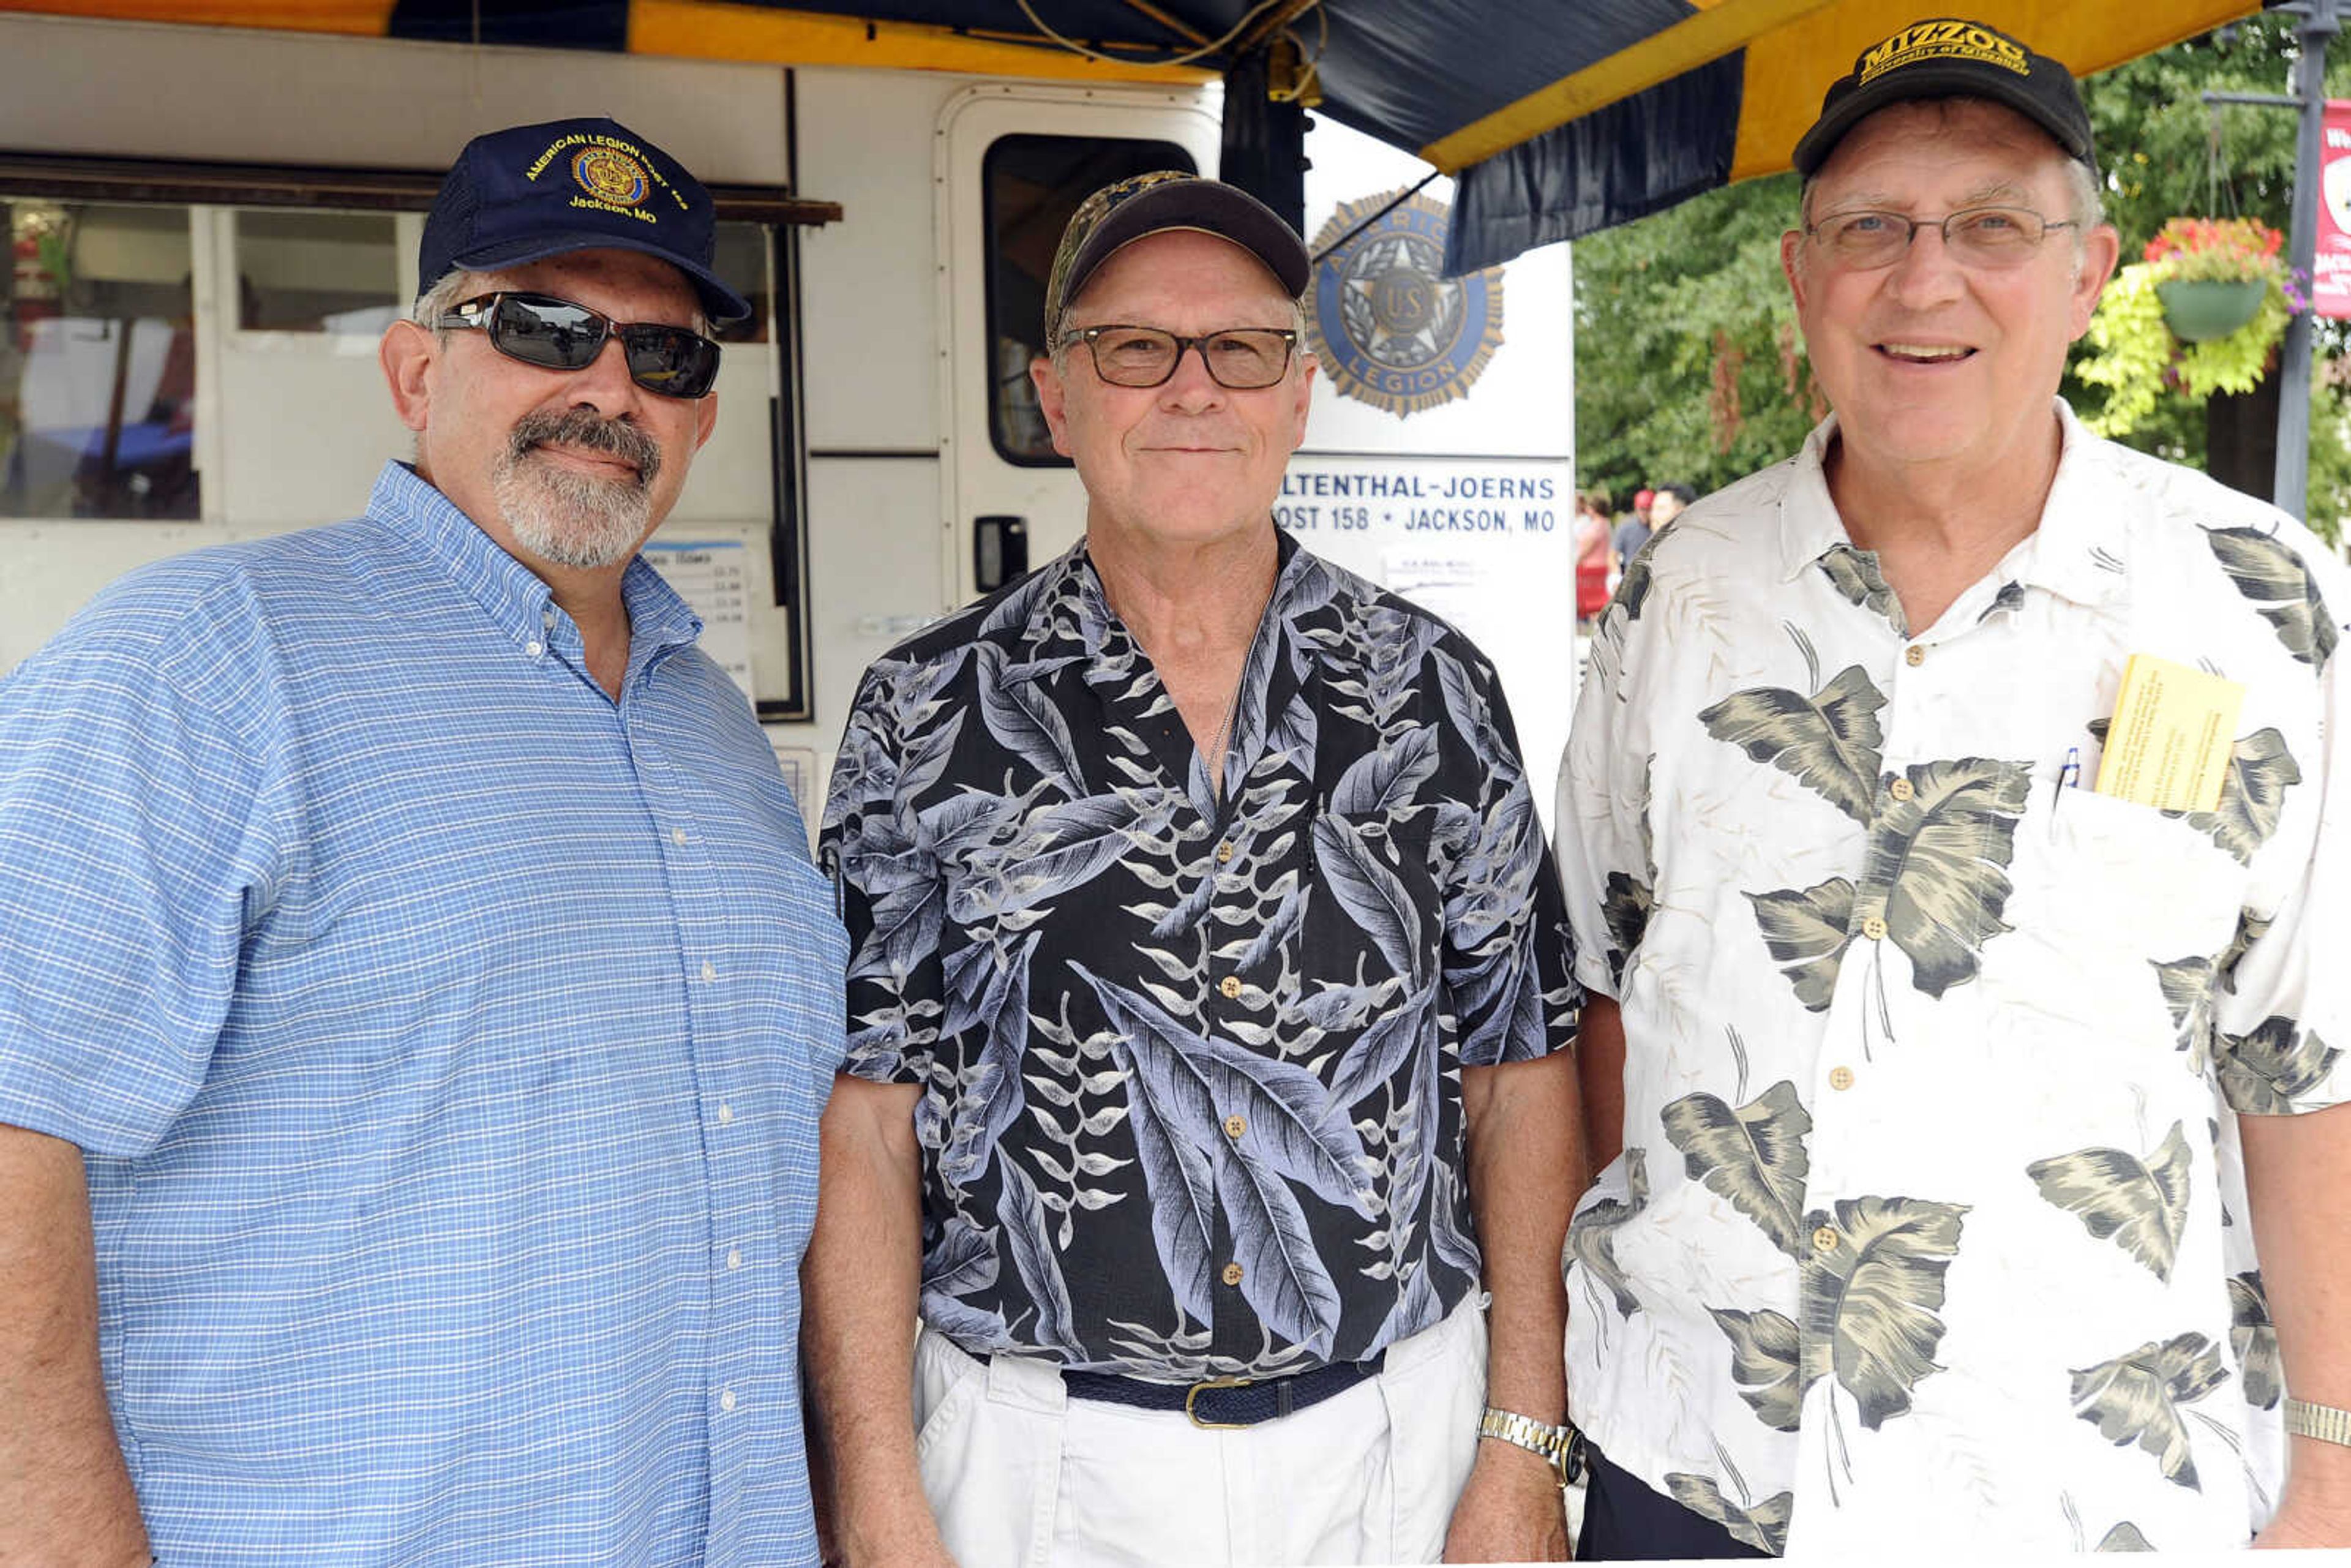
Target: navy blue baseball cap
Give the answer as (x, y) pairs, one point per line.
(535, 191)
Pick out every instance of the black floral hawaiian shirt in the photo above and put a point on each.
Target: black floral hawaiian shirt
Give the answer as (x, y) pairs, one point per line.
(1192, 1072)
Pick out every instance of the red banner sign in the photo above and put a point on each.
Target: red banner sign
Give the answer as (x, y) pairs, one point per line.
(2330, 270)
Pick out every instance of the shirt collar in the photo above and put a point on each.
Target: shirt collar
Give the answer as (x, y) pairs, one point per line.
(2079, 552)
(513, 596)
(1069, 615)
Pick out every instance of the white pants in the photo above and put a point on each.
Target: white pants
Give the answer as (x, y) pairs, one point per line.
(1021, 1476)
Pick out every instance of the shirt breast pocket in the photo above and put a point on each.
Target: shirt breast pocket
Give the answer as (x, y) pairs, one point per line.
(1375, 899)
(2112, 880)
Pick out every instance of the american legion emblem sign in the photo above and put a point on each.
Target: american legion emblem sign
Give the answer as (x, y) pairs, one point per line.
(1390, 327)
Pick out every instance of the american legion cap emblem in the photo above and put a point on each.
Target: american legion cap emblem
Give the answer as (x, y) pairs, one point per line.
(1390, 327)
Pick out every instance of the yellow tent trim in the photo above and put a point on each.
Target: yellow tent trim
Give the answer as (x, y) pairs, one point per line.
(1709, 35)
(366, 18)
(709, 30)
(1787, 72)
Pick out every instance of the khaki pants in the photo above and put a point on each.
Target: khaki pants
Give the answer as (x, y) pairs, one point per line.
(1021, 1476)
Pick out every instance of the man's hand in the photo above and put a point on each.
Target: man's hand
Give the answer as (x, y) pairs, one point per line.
(2302, 1521)
(1511, 1510)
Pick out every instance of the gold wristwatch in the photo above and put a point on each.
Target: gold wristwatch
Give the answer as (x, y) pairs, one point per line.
(2324, 1422)
(1562, 1446)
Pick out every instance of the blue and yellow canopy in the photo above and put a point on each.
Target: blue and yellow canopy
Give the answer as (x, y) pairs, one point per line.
(1558, 117)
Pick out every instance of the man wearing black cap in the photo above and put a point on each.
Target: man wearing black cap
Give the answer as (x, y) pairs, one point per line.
(1953, 831)
(416, 999)
(1206, 1008)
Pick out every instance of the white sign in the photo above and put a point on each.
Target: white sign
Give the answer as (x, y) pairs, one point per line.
(1487, 544)
(714, 577)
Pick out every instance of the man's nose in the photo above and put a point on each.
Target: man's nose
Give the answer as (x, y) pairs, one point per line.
(1191, 383)
(1927, 265)
(603, 382)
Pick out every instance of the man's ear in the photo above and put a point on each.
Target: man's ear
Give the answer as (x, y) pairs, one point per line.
(1052, 400)
(1791, 266)
(406, 354)
(705, 417)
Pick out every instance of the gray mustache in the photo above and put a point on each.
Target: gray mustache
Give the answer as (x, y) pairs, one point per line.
(591, 432)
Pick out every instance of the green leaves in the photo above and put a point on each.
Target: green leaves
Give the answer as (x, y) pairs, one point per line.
(2268, 1071)
(2141, 1205)
(1827, 742)
(2253, 795)
(2135, 1398)
(1855, 575)
(1763, 1527)
(1943, 858)
(2186, 986)
(1766, 1362)
(2253, 1337)
(1807, 933)
(1753, 1157)
(1592, 1238)
(2275, 578)
(1870, 1302)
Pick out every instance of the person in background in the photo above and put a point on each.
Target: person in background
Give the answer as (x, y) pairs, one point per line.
(1942, 1084)
(1208, 1013)
(1633, 532)
(1594, 559)
(416, 997)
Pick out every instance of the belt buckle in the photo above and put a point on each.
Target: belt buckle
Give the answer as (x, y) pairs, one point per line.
(1192, 1395)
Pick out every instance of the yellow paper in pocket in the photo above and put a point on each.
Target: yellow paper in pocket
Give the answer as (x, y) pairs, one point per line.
(2173, 733)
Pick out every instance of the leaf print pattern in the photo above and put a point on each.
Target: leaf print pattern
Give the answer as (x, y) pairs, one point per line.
(1827, 742)
(1941, 858)
(2135, 1398)
(1628, 899)
(1592, 1238)
(1767, 1364)
(1753, 1157)
(2141, 1205)
(2253, 795)
(2122, 1537)
(2275, 578)
(2268, 1071)
(2187, 986)
(1870, 1302)
(1855, 575)
(1763, 1527)
(1807, 933)
(2251, 928)
(2253, 1338)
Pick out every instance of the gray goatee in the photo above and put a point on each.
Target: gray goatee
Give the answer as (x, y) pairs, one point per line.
(568, 518)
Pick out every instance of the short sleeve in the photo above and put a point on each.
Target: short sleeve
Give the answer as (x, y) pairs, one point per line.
(1509, 966)
(138, 839)
(893, 901)
(1608, 861)
(2282, 1015)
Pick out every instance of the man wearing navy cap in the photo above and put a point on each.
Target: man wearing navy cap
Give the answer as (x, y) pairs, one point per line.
(1947, 1074)
(1207, 1016)
(416, 1000)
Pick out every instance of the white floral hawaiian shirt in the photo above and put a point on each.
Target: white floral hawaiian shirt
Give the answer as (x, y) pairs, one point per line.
(1930, 1229)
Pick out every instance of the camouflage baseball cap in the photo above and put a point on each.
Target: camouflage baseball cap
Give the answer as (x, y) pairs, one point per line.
(1142, 204)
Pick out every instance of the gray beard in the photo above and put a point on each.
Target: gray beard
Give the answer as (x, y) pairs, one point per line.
(568, 518)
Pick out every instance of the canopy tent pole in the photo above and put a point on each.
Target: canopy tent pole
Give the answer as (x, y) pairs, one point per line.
(2319, 25)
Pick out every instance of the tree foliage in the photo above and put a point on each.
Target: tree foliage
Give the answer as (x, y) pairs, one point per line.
(1688, 366)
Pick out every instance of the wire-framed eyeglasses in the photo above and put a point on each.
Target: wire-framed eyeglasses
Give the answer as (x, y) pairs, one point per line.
(1975, 236)
(1239, 358)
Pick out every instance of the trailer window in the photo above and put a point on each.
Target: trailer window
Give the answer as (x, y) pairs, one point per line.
(331, 273)
(1030, 186)
(98, 362)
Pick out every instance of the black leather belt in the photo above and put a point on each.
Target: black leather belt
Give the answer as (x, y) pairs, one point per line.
(1226, 1402)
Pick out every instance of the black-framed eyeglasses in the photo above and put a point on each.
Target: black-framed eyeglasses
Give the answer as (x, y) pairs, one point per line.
(1239, 358)
(1975, 236)
(557, 335)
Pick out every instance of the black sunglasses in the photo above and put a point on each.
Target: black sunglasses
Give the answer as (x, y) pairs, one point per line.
(557, 335)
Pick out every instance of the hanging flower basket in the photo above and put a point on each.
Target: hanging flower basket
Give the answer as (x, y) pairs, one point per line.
(2198, 309)
(2202, 313)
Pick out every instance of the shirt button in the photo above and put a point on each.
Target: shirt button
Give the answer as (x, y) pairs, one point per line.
(1224, 853)
(534, 649)
(1824, 1240)
(1901, 790)
(725, 1115)
(1874, 928)
(1840, 1077)
(1232, 1273)
(733, 1257)
(1915, 655)
(710, 970)
(727, 1399)
(1231, 985)
(1235, 1125)
(677, 837)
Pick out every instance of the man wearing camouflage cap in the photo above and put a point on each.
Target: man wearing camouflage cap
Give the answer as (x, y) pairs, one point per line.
(1206, 1006)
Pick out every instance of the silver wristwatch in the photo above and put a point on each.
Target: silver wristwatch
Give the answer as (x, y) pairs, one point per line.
(2324, 1422)
(1562, 1446)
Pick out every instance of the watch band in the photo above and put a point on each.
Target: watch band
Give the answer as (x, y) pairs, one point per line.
(1562, 1446)
(2324, 1422)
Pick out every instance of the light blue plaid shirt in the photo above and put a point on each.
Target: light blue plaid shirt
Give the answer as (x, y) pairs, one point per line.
(447, 1044)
